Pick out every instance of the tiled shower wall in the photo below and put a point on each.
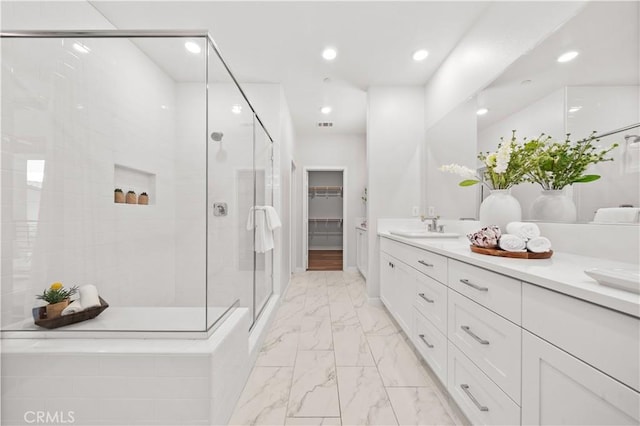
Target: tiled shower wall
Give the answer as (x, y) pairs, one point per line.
(83, 113)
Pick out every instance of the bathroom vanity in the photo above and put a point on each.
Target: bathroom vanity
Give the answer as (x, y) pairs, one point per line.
(517, 341)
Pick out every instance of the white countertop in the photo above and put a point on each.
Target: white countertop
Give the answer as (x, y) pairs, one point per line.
(563, 272)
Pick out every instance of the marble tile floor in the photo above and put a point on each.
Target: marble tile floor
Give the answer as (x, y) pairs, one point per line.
(331, 358)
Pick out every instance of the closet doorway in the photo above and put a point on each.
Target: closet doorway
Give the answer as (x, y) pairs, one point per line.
(324, 218)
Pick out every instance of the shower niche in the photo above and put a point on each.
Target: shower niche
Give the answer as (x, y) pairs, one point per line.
(138, 181)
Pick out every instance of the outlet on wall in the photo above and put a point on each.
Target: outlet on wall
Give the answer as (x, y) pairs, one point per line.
(415, 211)
(431, 211)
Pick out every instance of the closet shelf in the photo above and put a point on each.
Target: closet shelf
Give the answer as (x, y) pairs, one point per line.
(326, 219)
(326, 191)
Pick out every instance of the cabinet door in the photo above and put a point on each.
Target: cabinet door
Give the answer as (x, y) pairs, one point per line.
(397, 286)
(387, 278)
(405, 283)
(560, 389)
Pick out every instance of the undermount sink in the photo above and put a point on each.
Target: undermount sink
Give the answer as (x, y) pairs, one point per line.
(407, 233)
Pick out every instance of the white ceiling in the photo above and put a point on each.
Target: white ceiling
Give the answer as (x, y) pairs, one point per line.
(281, 42)
(607, 37)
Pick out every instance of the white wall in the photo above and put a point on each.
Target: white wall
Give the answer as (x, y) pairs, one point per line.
(333, 151)
(504, 32)
(604, 109)
(395, 136)
(451, 140)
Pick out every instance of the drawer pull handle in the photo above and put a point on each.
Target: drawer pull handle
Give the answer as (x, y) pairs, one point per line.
(466, 390)
(425, 298)
(428, 265)
(472, 285)
(429, 345)
(467, 330)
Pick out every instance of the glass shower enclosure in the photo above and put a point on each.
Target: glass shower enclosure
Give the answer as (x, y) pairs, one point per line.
(93, 118)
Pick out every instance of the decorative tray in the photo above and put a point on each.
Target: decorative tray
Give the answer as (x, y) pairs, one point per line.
(43, 321)
(512, 254)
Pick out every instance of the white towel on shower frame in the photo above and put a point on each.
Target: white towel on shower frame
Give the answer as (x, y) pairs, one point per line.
(264, 219)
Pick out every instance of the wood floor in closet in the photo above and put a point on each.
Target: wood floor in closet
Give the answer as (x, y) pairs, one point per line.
(325, 260)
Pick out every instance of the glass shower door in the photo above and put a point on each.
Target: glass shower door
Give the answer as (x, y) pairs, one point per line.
(230, 193)
(263, 160)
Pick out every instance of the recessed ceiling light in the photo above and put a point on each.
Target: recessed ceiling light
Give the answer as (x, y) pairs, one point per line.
(325, 110)
(79, 47)
(575, 108)
(193, 47)
(236, 109)
(329, 53)
(568, 56)
(420, 55)
(482, 111)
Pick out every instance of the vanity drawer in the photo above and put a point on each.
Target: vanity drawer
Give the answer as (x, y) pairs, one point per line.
(601, 337)
(490, 341)
(431, 344)
(483, 402)
(424, 261)
(431, 300)
(497, 292)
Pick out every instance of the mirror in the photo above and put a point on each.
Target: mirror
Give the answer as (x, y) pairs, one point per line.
(597, 91)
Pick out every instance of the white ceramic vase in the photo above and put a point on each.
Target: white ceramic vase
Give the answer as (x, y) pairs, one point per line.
(500, 208)
(553, 206)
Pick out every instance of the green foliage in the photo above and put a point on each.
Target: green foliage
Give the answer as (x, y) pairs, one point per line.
(468, 182)
(56, 295)
(118, 190)
(554, 165)
(507, 166)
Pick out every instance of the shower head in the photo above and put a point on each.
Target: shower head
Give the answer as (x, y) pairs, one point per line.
(217, 136)
(632, 139)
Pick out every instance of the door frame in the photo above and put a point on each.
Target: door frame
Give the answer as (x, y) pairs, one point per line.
(305, 212)
(293, 224)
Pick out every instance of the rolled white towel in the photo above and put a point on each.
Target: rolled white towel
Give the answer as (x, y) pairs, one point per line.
(539, 245)
(89, 296)
(510, 242)
(524, 230)
(74, 307)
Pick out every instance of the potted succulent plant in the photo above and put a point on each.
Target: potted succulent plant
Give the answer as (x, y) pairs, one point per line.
(57, 298)
(143, 199)
(118, 196)
(131, 198)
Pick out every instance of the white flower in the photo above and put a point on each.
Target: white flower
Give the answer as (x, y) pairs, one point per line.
(490, 161)
(502, 158)
(463, 171)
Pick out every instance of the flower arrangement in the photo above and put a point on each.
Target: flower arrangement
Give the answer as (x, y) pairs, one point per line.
(56, 293)
(554, 165)
(504, 168)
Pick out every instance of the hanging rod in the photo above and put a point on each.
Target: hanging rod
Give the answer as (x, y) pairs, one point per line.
(613, 132)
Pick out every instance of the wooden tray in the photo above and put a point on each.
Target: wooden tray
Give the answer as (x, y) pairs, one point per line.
(513, 254)
(87, 314)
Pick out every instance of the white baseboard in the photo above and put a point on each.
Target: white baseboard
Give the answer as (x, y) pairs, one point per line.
(298, 270)
(352, 269)
(320, 248)
(375, 301)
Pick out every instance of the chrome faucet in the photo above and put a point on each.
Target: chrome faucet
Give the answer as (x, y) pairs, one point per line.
(433, 226)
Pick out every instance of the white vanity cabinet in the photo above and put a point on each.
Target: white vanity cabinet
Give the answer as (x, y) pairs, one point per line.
(512, 352)
(362, 251)
(560, 389)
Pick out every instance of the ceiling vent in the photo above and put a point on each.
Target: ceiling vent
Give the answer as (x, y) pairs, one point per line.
(325, 124)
